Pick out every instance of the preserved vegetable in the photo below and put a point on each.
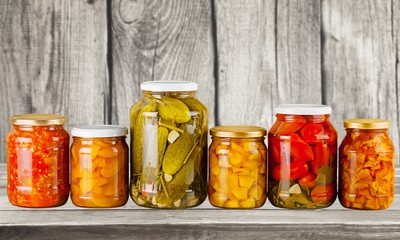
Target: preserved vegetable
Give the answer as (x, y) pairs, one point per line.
(169, 146)
(99, 166)
(366, 176)
(302, 157)
(237, 167)
(38, 161)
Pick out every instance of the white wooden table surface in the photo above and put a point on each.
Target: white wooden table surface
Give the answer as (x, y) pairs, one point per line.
(203, 222)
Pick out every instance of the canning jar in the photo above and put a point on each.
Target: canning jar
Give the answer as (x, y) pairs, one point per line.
(238, 160)
(168, 146)
(366, 167)
(99, 166)
(37, 156)
(302, 157)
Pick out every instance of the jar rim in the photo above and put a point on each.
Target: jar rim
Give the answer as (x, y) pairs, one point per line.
(168, 86)
(37, 119)
(303, 109)
(366, 123)
(99, 131)
(238, 131)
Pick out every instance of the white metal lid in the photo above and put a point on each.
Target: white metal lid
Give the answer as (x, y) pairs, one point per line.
(168, 86)
(303, 109)
(98, 131)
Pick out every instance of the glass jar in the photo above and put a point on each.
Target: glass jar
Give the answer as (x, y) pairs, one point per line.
(366, 169)
(99, 166)
(302, 159)
(37, 156)
(237, 163)
(168, 146)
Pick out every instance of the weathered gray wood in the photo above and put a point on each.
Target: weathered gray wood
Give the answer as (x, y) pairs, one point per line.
(298, 52)
(396, 38)
(208, 231)
(162, 40)
(53, 60)
(245, 44)
(359, 61)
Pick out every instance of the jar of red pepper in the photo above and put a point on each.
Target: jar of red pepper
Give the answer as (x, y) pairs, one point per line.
(38, 161)
(302, 157)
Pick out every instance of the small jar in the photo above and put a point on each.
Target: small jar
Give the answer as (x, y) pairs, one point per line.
(366, 169)
(302, 158)
(37, 159)
(168, 146)
(99, 166)
(237, 163)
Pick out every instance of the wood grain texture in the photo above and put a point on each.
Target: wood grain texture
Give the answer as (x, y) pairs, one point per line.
(160, 40)
(359, 61)
(298, 52)
(203, 232)
(245, 42)
(53, 60)
(396, 38)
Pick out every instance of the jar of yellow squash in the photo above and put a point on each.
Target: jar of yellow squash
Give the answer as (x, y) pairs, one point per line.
(169, 146)
(99, 166)
(237, 167)
(366, 170)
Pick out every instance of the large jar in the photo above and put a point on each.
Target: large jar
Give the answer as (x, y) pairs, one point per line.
(238, 160)
(38, 161)
(302, 157)
(99, 166)
(366, 169)
(168, 146)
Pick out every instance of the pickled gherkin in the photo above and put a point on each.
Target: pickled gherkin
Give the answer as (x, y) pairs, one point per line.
(169, 142)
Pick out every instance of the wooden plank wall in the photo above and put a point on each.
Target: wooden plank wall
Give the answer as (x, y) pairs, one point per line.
(87, 58)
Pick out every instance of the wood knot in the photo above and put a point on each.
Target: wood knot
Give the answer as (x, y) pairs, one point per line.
(130, 10)
(91, 1)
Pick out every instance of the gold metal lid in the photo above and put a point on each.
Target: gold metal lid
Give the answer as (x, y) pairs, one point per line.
(366, 123)
(38, 119)
(238, 131)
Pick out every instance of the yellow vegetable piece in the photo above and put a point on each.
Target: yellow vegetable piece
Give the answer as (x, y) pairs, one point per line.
(232, 204)
(240, 193)
(248, 203)
(246, 181)
(218, 199)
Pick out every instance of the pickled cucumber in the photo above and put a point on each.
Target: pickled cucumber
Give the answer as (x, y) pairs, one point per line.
(176, 154)
(174, 109)
(180, 161)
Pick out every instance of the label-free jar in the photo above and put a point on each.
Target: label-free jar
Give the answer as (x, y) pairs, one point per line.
(366, 167)
(99, 166)
(238, 160)
(168, 146)
(302, 159)
(38, 161)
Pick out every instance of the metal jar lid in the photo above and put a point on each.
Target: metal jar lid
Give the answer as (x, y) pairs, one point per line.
(238, 131)
(366, 123)
(38, 119)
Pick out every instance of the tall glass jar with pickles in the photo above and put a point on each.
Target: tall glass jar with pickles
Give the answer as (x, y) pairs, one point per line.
(168, 146)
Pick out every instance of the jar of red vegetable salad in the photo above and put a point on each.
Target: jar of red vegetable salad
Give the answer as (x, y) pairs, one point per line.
(38, 161)
(302, 157)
